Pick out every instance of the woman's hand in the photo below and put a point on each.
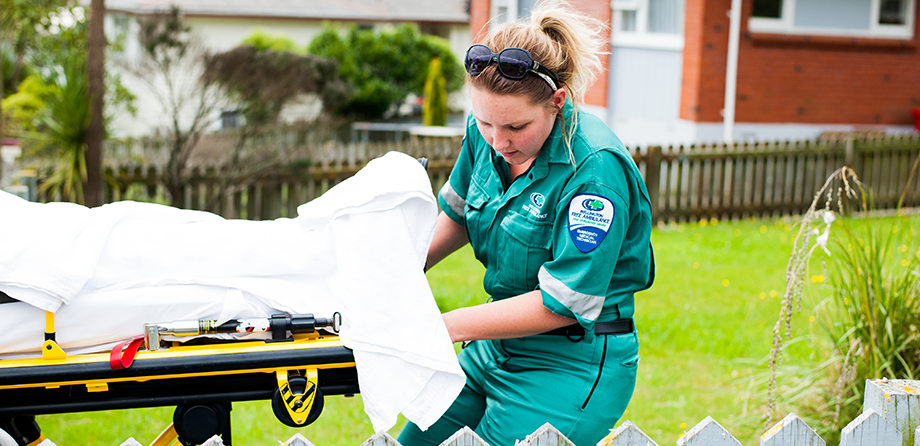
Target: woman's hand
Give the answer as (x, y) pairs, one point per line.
(514, 317)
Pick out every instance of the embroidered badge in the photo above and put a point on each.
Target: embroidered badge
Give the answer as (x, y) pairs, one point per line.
(537, 199)
(590, 217)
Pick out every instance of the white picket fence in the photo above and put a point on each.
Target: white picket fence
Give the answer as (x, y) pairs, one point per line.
(891, 417)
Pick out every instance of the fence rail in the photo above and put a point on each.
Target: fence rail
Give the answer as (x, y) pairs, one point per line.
(890, 418)
(685, 183)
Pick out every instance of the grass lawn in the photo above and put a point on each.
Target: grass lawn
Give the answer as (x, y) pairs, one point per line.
(710, 312)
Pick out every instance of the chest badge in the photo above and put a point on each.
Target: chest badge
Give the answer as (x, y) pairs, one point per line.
(537, 199)
(590, 217)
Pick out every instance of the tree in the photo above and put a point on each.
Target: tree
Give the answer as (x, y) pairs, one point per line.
(434, 112)
(95, 132)
(19, 23)
(384, 67)
(242, 72)
(173, 70)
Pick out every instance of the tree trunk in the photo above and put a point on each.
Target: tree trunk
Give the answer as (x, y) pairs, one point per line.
(95, 72)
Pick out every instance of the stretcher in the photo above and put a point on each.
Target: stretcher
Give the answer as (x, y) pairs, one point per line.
(303, 361)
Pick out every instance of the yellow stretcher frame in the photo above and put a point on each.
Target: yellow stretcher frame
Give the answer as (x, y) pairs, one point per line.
(294, 374)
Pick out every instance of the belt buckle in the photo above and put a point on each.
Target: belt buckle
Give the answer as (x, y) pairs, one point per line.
(568, 333)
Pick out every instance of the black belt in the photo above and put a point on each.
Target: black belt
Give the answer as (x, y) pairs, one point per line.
(576, 332)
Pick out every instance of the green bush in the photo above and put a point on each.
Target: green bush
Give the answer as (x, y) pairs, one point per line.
(384, 67)
(434, 112)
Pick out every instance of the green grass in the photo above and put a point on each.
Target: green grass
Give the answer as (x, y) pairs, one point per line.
(709, 315)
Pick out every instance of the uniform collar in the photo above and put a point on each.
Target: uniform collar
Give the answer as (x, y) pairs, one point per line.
(554, 150)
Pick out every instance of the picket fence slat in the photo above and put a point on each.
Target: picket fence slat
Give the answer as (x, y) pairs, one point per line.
(898, 402)
(546, 435)
(464, 437)
(381, 439)
(299, 440)
(870, 429)
(791, 431)
(708, 433)
(628, 434)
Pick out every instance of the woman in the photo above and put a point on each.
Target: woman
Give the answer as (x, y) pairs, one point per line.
(557, 212)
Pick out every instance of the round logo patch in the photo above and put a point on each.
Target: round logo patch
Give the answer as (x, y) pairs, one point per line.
(590, 217)
(537, 199)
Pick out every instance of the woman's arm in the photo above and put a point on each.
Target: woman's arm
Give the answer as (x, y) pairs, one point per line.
(514, 317)
(448, 237)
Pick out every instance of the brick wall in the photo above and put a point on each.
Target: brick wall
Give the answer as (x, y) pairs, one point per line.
(797, 79)
(597, 94)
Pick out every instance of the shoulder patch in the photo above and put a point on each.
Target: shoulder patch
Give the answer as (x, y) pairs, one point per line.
(590, 217)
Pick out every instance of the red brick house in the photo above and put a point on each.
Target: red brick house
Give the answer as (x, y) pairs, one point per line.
(804, 66)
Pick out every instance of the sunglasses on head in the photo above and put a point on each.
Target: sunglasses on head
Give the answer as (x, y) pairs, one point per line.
(513, 63)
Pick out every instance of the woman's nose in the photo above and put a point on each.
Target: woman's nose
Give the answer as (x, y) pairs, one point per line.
(500, 140)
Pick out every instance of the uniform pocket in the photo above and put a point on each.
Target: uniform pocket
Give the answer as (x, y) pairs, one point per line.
(528, 247)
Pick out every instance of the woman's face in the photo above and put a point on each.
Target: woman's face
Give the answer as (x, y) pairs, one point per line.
(513, 126)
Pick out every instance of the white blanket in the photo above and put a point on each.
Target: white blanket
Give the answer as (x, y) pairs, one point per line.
(359, 249)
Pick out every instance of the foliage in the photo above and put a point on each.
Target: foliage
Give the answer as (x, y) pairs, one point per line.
(173, 71)
(262, 41)
(63, 126)
(434, 111)
(868, 307)
(384, 67)
(15, 70)
(24, 107)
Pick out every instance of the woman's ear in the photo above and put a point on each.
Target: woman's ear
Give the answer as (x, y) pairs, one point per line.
(559, 98)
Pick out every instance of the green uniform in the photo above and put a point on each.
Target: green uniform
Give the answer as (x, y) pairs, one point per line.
(581, 235)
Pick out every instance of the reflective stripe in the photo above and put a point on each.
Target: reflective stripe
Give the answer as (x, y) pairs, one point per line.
(456, 203)
(585, 306)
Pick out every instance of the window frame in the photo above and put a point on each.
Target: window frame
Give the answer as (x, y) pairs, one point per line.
(786, 24)
(641, 37)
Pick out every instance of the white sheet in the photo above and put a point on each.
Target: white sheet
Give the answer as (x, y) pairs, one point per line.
(359, 249)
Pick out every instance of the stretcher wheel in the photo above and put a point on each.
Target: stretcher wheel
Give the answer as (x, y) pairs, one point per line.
(298, 387)
(19, 431)
(197, 423)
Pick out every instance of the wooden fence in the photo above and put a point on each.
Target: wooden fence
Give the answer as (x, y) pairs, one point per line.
(685, 183)
(891, 417)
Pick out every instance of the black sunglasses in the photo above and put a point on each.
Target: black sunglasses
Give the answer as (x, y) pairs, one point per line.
(513, 63)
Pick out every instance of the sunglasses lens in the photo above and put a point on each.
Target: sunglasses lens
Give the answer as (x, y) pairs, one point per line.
(514, 63)
(478, 58)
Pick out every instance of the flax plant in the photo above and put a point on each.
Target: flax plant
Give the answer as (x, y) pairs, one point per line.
(867, 305)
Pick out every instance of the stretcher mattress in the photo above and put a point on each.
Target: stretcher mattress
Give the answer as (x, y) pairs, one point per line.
(358, 250)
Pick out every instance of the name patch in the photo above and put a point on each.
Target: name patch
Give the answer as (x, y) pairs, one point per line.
(590, 217)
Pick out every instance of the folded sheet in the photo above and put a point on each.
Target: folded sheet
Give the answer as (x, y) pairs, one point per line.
(359, 249)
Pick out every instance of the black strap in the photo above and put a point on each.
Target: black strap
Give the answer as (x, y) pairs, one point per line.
(619, 326)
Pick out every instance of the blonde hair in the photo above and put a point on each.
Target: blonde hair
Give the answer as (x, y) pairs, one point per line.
(563, 40)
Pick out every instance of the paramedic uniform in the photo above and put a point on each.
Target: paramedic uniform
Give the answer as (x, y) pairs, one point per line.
(582, 237)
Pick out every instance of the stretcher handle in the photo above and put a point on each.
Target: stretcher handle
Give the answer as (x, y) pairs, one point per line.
(277, 324)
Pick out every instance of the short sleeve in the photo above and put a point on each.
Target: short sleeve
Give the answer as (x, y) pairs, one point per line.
(452, 196)
(591, 223)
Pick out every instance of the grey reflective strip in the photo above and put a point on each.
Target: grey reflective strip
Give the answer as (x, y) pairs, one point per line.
(456, 203)
(584, 305)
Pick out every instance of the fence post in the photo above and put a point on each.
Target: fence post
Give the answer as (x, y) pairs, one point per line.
(708, 433)
(869, 428)
(546, 435)
(791, 431)
(653, 178)
(898, 402)
(627, 434)
(381, 439)
(465, 437)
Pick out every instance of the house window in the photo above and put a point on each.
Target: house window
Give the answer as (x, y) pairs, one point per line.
(851, 18)
(655, 24)
(504, 11)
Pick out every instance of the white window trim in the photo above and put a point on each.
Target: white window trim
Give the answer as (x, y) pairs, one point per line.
(786, 24)
(511, 7)
(640, 38)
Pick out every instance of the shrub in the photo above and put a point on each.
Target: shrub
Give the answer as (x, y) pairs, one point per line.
(434, 111)
(868, 303)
